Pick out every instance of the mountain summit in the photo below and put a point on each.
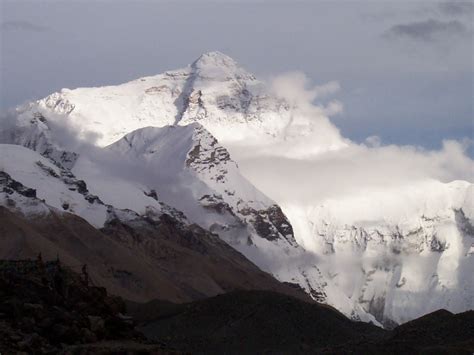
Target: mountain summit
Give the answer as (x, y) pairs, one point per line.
(215, 59)
(214, 90)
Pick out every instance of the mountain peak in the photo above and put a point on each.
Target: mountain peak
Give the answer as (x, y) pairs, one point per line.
(214, 59)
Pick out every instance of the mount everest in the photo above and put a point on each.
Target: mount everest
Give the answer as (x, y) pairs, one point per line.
(172, 144)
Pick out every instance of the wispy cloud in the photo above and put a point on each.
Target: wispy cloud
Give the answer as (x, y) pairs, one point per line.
(429, 30)
(25, 26)
(457, 8)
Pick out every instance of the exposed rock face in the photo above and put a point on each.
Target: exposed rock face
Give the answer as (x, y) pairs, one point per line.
(270, 223)
(58, 104)
(9, 186)
(216, 203)
(213, 164)
(208, 155)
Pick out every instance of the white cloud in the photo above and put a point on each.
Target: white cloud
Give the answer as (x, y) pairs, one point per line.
(295, 87)
(308, 130)
(322, 164)
(373, 141)
(354, 169)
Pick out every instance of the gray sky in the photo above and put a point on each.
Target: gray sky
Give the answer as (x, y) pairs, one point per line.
(405, 67)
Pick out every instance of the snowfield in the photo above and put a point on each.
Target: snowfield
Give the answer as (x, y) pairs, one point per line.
(51, 183)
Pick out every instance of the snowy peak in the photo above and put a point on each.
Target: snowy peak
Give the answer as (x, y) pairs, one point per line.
(214, 59)
(214, 91)
(180, 150)
(177, 148)
(218, 66)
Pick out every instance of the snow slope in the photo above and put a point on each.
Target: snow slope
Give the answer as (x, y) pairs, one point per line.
(33, 131)
(398, 253)
(56, 186)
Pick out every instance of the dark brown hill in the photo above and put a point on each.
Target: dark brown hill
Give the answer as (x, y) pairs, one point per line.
(139, 260)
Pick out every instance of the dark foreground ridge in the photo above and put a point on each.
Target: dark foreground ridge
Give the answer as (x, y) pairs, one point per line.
(47, 309)
(265, 322)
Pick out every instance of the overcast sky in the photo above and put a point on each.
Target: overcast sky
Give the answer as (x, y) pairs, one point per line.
(405, 68)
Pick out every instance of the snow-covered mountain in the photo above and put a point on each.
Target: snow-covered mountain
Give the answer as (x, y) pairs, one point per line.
(377, 255)
(214, 90)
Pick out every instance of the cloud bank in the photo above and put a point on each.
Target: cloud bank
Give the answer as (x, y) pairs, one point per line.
(353, 170)
(347, 168)
(429, 30)
(308, 130)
